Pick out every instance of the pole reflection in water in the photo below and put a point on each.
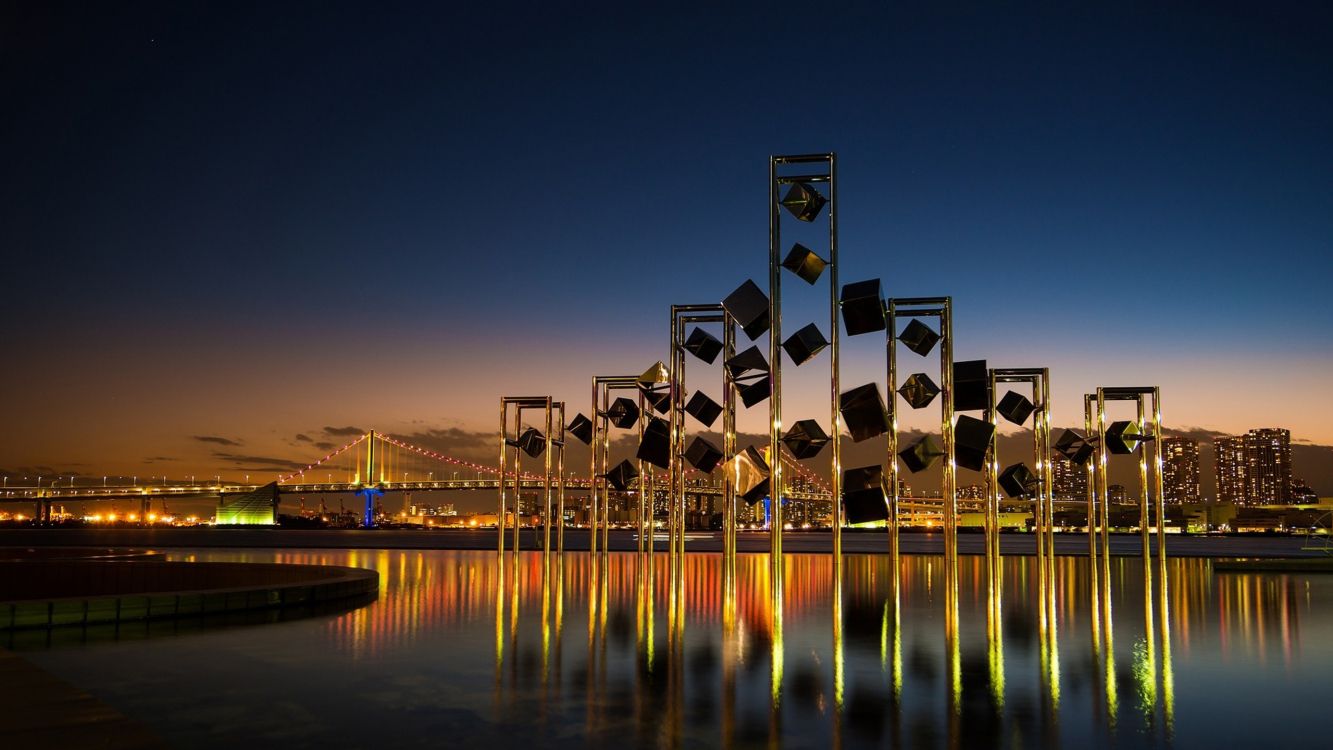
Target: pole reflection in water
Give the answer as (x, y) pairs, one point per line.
(838, 657)
(776, 659)
(995, 624)
(755, 654)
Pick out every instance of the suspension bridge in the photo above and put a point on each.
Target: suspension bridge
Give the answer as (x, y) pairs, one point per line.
(372, 464)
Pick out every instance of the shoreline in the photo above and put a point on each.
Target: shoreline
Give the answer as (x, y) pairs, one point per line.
(623, 540)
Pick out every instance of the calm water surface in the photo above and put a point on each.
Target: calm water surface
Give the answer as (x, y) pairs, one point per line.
(461, 651)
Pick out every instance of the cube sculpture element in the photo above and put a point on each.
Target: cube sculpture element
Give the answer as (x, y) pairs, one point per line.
(971, 385)
(622, 476)
(972, 439)
(754, 391)
(658, 398)
(1123, 437)
(655, 444)
(919, 337)
(862, 306)
(703, 408)
(919, 390)
(703, 455)
(1074, 447)
(805, 439)
(803, 201)
(863, 497)
(581, 428)
(803, 262)
(530, 442)
(748, 305)
(749, 361)
(623, 413)
(750, 371)
(1018, 481)
(703, 345)
(803, 345)
(920, 455)
(1015, 407)
(863, 412)
(750, 474)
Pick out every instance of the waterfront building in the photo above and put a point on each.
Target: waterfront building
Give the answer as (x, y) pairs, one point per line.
(1268, 466)
(1180, 470)
(1069, 480)
(1229, 457)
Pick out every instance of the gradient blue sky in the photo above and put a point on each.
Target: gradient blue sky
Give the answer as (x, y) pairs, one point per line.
(252, 219)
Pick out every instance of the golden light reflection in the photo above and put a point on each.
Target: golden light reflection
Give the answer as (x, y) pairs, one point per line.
(721, 620)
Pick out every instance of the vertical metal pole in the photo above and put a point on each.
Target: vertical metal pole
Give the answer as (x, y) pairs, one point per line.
(645, 469)
(592, 474)
(1038, 501)
(1159, 498)
(1044, 472)
(500, 515)
(676, 471)
(835, 386)
(1145, 498)
(891, 399)
(1090, 483)
(546, 509)
(992, 473)
(560, 473)
(518, 479)
(950, 467)
(606, 486)
(679, 497)
(775, 362)
(728, 441)
(1103, 489)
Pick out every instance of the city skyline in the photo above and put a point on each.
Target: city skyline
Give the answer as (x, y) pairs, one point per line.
(251, 280)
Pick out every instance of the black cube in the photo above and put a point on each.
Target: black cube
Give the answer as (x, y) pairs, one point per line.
(972, 439)
(862, 306)
(863, 412)
(748, 305)
(703, 408)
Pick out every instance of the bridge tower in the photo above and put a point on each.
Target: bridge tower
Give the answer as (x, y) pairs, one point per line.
(369, 488)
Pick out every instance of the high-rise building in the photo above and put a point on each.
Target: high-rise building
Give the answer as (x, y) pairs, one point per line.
(1229, 455)
(1069, 481)
(1254, 468)
(1180, 470)
(1268, 466)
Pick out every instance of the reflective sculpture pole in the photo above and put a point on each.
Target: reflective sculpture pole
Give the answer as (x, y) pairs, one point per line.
(920, 455)
(704, 409)
(1093, 490)
(559, 445)
(803, 202)
(599, 519)
(1016, 480)
(1124, 437)
(531, 442)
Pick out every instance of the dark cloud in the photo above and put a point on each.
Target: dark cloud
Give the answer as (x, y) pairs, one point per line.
(325, 446)
(216, 440)
(40, 471)
(259, 463)
(344, 431)
(302, 438)
(159, 459)
(454, 442)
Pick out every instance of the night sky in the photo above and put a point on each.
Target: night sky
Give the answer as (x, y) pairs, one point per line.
(243, 222)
